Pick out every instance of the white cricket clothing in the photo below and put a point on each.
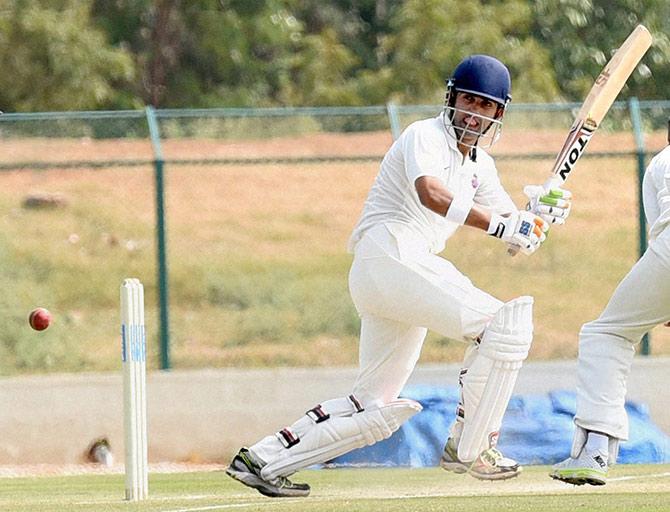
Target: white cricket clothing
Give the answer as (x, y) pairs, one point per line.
(655, 193)
(640, 302)
(400, 290)
(428, 148)
(488, 384)
(399, 286)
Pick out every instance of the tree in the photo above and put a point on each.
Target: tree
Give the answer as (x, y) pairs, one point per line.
(53, 59)
(431, 37)
(205, 53)
(582, 35)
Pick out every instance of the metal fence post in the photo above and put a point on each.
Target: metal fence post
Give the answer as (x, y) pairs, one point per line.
(161, 251)
(634, 108)
(394, 121)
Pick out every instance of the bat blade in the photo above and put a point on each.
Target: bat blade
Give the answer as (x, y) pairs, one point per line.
(606, 88)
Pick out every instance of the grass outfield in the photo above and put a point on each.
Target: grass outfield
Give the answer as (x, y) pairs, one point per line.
(631, 487)
(256, 253)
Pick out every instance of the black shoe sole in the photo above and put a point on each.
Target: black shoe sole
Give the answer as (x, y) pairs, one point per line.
(254, 482)
(581, 480)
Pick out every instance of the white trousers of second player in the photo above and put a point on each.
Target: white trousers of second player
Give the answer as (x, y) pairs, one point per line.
(400, 290)
(606, 346)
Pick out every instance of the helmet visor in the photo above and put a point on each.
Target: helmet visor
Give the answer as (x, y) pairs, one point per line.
(483, 133)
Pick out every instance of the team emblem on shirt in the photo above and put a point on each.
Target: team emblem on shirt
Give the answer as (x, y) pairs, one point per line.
(475, 181)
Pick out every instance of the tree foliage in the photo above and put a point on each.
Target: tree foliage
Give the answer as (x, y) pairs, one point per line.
(427, 44)
(90, 54)
(54, 58)
(582, 35)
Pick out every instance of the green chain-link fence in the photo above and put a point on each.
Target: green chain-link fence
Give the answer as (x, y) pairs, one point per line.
(240, 218)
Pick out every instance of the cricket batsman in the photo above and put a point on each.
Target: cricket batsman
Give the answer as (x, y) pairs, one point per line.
(435, 178)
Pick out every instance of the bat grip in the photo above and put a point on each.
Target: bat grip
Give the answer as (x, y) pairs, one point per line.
(554, 182)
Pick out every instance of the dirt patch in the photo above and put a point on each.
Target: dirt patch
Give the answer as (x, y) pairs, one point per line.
(312, 145)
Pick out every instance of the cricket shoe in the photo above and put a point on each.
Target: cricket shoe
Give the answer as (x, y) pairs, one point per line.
(589, 468)
(246, 468)
(490, 465)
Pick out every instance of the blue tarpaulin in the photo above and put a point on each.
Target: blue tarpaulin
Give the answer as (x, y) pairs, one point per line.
(537, 429)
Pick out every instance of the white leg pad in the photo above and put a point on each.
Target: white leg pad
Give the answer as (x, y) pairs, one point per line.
(272, 446)
(339, 435)
(490, 380)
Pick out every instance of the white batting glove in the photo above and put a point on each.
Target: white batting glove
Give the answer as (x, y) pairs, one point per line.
(522, 230)
(553, 206)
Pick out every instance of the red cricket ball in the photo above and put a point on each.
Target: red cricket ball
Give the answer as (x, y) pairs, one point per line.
(39, 319)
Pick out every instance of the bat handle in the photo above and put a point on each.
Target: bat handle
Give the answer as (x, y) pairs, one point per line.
(554, 182)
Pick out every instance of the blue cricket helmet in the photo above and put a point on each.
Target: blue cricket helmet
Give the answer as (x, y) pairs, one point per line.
(483, 75)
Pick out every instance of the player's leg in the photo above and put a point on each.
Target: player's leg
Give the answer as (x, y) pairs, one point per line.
(419, 288)
(390, 345)
(606, 350)
(392, 291)
(450, 460)
(487, 380)
(388, 352)
(325, 432)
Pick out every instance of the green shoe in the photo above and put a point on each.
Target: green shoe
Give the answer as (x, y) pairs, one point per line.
(589, 468)
(490, 465)
(246, 468)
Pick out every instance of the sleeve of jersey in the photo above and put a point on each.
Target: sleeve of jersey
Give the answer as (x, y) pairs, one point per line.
(421, 152)
(490, 193)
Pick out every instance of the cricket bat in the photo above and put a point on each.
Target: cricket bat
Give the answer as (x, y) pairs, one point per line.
(599, 100)
(606, 88)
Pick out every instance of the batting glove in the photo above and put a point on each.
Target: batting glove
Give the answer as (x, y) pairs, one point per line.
(553, 206)
(521, 229)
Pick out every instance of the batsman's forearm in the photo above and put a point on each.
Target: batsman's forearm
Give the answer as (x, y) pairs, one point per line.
(439, 199)
(479, 218)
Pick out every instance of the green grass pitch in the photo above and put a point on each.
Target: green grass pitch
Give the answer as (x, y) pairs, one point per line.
(631, 488)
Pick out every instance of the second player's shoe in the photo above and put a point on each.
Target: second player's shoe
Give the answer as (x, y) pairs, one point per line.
(246, 468)
(589, 468)
(490, 465)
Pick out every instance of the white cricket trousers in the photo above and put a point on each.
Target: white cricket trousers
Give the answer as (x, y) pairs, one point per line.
(400, 290)
(640, 302)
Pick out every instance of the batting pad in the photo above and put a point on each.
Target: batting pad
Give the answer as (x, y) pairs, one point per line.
(490, 380)
(339, 435)
(272, 447)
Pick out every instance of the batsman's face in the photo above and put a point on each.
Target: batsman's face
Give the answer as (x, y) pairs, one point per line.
(473, 115)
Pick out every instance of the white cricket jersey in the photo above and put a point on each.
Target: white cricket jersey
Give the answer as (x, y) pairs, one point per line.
(656, 193)
(428, 148)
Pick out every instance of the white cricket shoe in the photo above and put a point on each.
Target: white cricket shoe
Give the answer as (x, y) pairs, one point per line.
(589, 468)
(490, 465)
